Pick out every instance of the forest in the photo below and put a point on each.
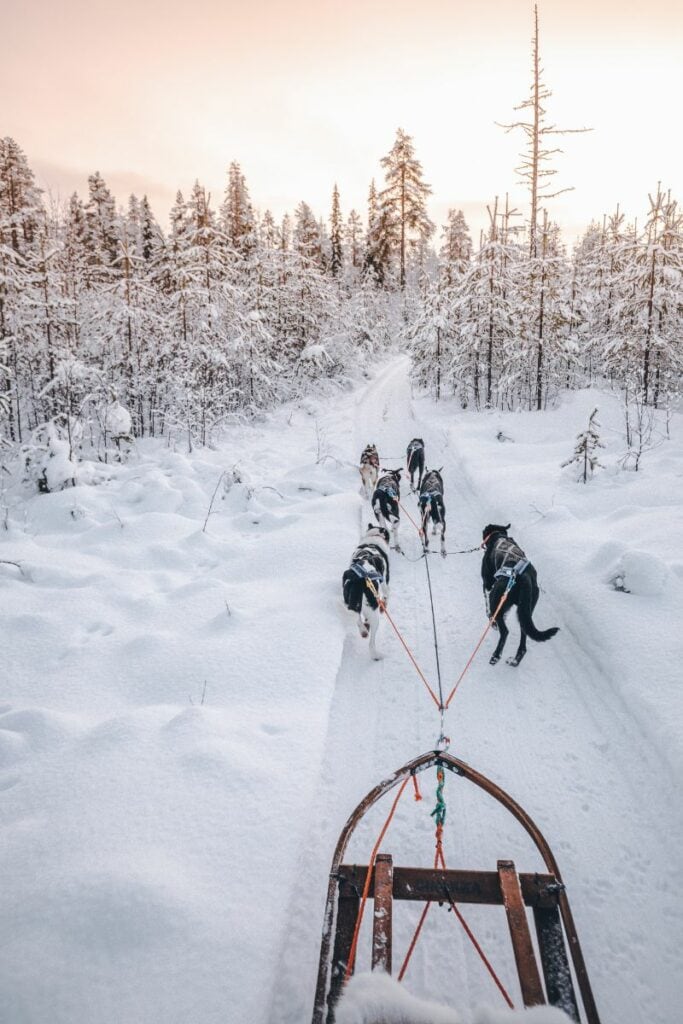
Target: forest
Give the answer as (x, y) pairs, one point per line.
(114, 328)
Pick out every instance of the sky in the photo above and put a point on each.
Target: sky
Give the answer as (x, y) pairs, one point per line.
(307, 93)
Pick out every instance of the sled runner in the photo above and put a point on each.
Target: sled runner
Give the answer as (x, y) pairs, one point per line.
(543, 894)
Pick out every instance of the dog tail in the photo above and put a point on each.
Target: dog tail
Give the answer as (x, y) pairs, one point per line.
(524, 613)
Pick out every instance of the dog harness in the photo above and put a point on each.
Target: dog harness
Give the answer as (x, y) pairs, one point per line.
(389, 491)
(414, 446)
(511, 572)
(511, 550)
(366, 572)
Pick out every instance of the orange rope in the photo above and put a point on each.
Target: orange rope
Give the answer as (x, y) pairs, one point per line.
(366, 887)
(480, 951)
(413, 941)
(481, 640)
(440, 860)
(420, 532)
(383, 609)
(418, 794)
(423, 915)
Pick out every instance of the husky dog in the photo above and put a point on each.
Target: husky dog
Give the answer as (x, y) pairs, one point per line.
(369, 468)
(432, 507)
(503, 560)
(385, 501)
(415, 461)
(370, 561)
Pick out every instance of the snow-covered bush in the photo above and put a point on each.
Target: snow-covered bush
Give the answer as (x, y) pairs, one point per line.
(51, 460)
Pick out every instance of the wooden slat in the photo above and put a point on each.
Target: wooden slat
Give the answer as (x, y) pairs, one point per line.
(381, 921)
(347, 912)
(527, 968)
(558, 978)
(464, 886)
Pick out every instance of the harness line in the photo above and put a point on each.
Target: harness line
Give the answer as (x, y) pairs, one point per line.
(383, 608)
(481, 640)
(421, 534)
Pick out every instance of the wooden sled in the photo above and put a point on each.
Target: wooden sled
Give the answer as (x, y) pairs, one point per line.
(544, 893)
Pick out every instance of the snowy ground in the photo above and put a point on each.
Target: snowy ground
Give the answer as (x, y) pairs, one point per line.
(188, 717)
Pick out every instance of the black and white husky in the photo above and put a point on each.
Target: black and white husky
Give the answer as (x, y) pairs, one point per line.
(370, 561)
(415, 461)
(503, 560)
(369, 469)
(432, 507)
(385, 501)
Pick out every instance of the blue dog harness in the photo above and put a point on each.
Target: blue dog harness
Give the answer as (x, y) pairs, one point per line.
(366, 572)
(512, 572)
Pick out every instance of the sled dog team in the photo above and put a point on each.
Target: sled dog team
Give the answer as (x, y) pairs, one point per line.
(365, 583)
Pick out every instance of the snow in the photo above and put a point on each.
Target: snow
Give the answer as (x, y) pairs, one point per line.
(378, 999)
(370, 998)
(117, 420)
(188, 716)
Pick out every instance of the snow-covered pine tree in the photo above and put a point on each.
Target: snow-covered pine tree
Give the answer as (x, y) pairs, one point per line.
(428, 338)
(268, 232)
(21, 216)
(307, 240)
(585, 450)
(336, 236)
(456, 248)
(381, 240)
(485, 354)
(237, 220)
(353, 239)
(404, 199)
(102, 239)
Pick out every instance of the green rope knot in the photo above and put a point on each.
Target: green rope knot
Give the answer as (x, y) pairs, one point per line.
(439, 812)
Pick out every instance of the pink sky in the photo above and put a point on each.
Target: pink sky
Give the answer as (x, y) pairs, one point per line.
(155, 94)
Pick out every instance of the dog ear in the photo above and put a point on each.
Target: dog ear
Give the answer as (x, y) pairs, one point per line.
(508, 526)
(399, 471)
(371, 526)
(439, 469)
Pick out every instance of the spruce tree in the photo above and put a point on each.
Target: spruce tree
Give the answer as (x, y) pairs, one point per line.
(237, 214)
(587, 444)
(336, 229)
(405, 198)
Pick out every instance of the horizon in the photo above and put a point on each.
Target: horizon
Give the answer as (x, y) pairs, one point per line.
(328, 109)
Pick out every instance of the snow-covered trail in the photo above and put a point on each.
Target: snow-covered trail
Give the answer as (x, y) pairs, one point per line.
(553, 732)
(189, 716)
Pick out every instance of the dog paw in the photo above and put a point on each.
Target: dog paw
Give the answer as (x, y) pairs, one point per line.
(377, 656)
(494, 659)
(364, 629)
(514, 662)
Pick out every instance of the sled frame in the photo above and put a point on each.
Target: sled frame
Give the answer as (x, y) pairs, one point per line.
(544, 894)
